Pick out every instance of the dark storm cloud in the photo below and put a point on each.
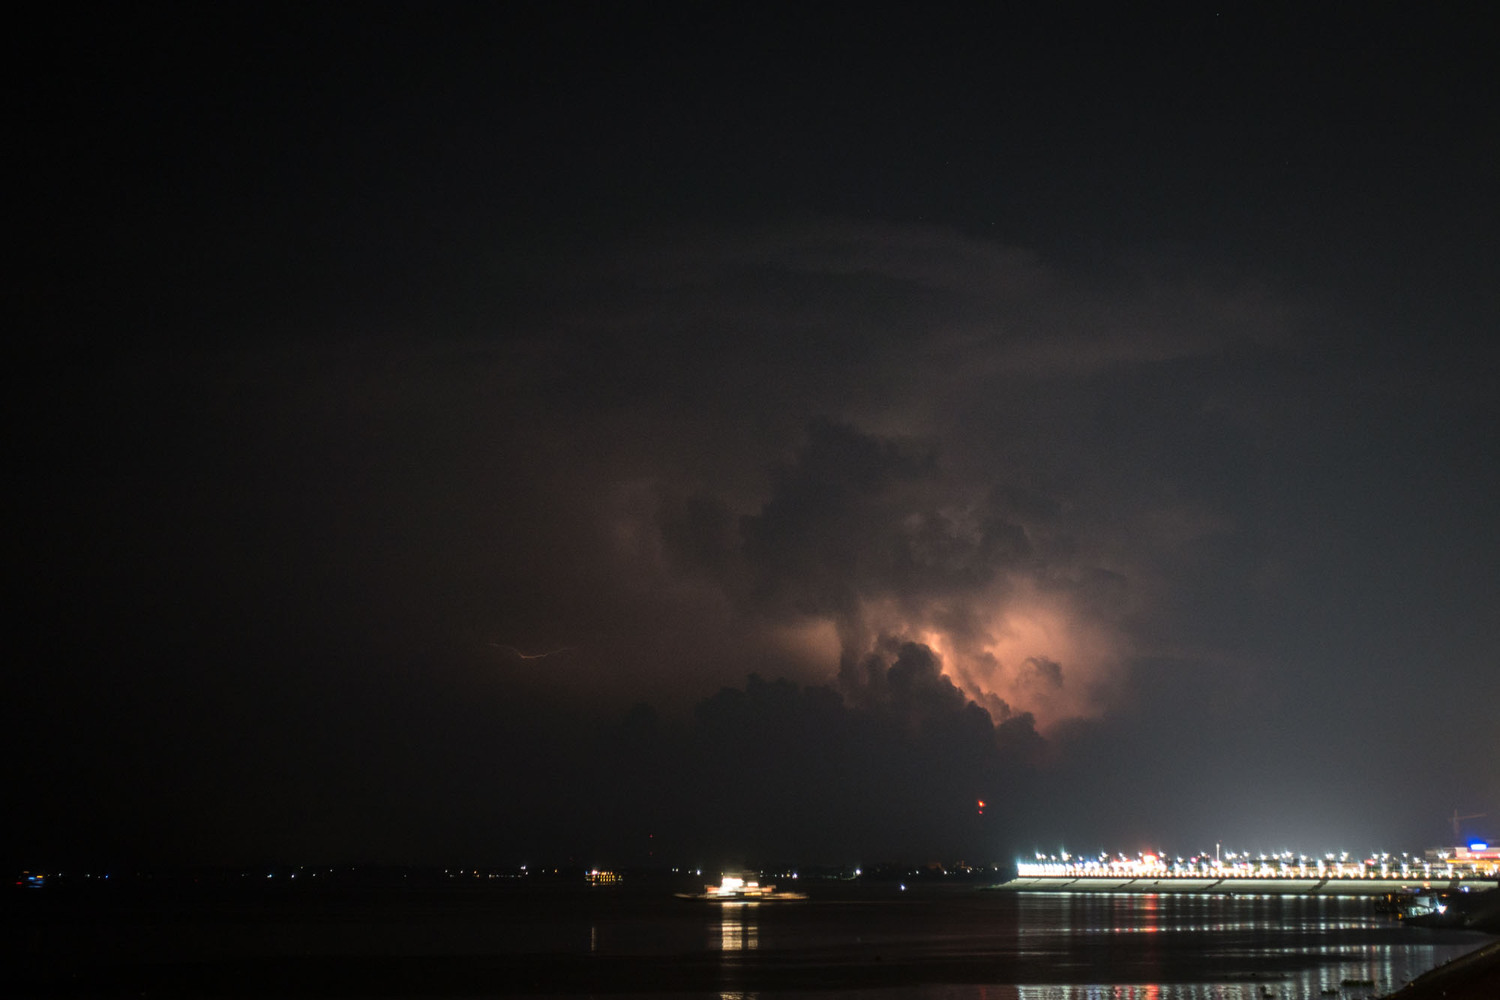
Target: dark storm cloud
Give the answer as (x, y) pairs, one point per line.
(955, 493)
(1126, 382)
(872, 311)
(773, 769)
(844, 436)
(944, 438)
(853, 518)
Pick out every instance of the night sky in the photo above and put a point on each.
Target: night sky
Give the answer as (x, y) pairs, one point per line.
(632, 433)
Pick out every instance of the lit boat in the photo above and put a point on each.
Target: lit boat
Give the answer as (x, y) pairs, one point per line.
(735, 889)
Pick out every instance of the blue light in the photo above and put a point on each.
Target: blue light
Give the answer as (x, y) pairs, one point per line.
(1479, 845)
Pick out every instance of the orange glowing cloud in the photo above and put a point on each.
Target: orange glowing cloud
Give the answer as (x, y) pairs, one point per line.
(1034, 653)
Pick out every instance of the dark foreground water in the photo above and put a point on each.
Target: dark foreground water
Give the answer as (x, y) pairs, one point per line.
(639, 941)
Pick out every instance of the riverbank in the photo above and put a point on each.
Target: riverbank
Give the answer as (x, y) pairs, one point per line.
(1475, 976)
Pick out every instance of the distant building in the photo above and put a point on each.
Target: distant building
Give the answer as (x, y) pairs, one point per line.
(1478, 857)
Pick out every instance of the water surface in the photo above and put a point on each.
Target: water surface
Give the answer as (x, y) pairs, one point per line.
(639, 941)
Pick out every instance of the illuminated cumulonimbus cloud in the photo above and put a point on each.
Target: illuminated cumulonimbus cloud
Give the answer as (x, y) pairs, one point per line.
(1033, 653)
(858, 435)
(867, 537)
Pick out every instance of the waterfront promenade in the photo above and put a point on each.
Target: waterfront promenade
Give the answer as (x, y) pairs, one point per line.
(1229, 885)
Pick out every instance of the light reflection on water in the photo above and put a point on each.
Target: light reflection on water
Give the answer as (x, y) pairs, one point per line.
(1319, 943)
(738, 930)
(1103, 947)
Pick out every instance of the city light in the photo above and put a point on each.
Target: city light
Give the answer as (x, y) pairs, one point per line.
(1450, 864)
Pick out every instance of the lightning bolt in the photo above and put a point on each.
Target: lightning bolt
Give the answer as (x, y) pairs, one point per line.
(532, 656)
